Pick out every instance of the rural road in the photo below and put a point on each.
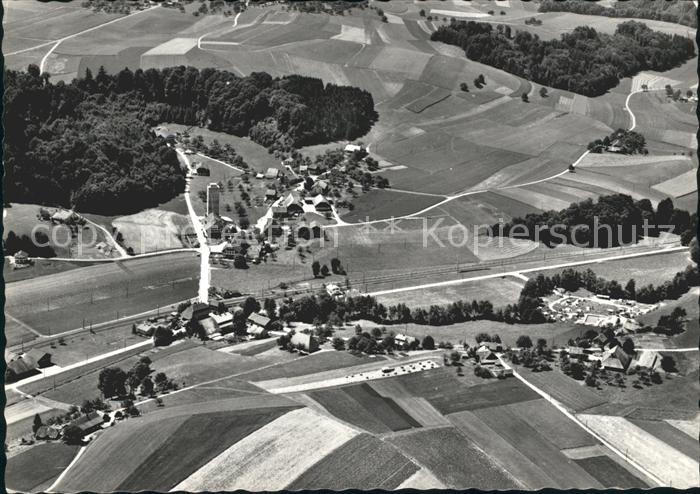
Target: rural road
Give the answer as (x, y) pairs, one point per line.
(204, 278)
(112, 240)
(235, 26)
(578, 422)
(518, 272)
(449, 198)
(116, 259)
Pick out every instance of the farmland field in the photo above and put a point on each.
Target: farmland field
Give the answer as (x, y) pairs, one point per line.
(675, 438)
(609, 473)
(22, 473)
(378, 204)
(513, 427)
(362, 406)
(653, 454)
(102, 292)
(269, 459)
(573, 394)
(363, 463)
(454, 459)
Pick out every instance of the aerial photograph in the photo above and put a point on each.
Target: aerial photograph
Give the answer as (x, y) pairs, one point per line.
(297, 245)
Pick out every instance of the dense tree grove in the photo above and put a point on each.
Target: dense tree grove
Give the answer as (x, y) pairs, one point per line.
(622, 141)
(678, 12)
(88, 144)
(611, 221)
(572, 280)
(583, 61)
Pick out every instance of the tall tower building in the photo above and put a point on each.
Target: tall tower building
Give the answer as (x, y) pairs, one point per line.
(213, 199)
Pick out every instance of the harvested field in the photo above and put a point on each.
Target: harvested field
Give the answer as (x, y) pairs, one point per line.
(609, 473)
(554, 425)
(499, 392)
(363, 407)
(657, 457)
(509, 457)
(497, 291)
(422, 480)
(314, 363)
(160, 449)
(680, 185)
(672, 436)
(102, 292)
(573, 394)
(383, 204)
(453, 459)
(153, 230)
(37, 467)
(514, 428)
(363, 463)
(269, 459)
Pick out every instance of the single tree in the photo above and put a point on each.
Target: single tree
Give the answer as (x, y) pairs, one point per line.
(37, 423)
(316, 268)
(543, 92)
(72, 434)
(338, 343)
(428, 343)
(524, 97)
(325, 271)
(524, 341)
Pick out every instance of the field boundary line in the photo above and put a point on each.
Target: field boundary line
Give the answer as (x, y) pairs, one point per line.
(578, 422)
(64, 472)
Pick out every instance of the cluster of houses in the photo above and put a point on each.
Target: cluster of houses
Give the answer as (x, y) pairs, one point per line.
(61, 217)
(612, 358)
(87, 423)
(25, 365)
(486, 357)
(602, 311)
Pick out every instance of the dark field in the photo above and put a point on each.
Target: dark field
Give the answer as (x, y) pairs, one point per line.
(362, 406)
(363, 463)
(38, 467)
(609, 473)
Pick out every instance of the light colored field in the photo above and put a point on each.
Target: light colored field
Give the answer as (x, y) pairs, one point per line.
(272, 457)
(680, 185)
(422, 480)
(176, 46)
(499, 292)
(351, 33)
(663, 461)
(24, 409)
(690, 427)
(153, 229)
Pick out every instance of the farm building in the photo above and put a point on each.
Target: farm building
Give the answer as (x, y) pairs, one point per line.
(615, 359)
(334, 290)
(22, 258)
(19, 369)
(39, 357)
(46, 432)
(89, 423)
(258, 320)
(320, 187)
(649, 360)
(270, 194)
(292, 203)
(64, 217)
(223, 321)
(272, 228)
(196, 312)
(402, 339)
(351, 148)
(272, 173)
(209, 326)
(305, 341)
(321, 204)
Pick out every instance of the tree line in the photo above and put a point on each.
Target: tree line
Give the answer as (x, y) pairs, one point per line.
(583, 61)
(677, 12)
(572, 280)
(612, 221)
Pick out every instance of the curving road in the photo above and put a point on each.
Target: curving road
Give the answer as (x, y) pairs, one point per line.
(450, 198)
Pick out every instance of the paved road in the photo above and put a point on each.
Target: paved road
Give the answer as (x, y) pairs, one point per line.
(578, 422)
(205, 275)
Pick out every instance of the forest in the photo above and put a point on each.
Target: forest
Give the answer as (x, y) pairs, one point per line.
(612, 221)
(583, 61)
(88, 144)
(679, 12)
